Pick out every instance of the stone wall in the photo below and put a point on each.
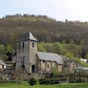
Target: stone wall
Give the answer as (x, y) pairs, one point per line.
(48, 66)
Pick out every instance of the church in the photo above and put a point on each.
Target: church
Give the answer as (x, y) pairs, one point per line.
(34, 61)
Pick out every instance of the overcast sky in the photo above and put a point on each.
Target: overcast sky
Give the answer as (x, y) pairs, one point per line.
(57, 9)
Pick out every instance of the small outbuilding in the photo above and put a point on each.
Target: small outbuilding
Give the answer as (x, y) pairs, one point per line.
(2, 65)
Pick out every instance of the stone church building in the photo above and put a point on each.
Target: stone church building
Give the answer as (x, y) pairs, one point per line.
(34, 61)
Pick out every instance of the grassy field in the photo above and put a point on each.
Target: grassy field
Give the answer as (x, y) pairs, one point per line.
(13, 85)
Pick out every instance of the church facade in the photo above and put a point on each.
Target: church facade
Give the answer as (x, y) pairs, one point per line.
(33, 61)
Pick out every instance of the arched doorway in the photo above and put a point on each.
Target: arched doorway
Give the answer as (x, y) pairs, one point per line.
(23, 67)
(33, 68)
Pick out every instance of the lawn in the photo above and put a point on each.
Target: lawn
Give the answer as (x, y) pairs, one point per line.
(14, 85)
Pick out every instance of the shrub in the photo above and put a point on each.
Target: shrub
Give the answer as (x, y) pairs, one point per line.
(54, 73)
(49, 81)
(44, 81)
(32, 81)
(80, 80)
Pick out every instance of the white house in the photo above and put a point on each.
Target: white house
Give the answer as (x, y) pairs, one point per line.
(2, 65)
(84, 60)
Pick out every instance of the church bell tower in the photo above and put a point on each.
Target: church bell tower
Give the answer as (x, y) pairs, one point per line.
(26, 52)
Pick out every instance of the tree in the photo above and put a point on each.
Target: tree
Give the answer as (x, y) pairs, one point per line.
(8, 48)
(86, 56)
(69, 55)
(84, 49)
(42, 47)
(2, 52)
(54, 73)
(59, 48)
(73, 48)
(50, 47)
(71, 42)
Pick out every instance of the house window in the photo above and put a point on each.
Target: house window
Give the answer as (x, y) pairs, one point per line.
(33, 44)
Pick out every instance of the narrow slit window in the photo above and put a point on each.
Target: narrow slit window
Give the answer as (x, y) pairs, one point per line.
(33, 44)
(23, 46)
(23, 59)
(19, 46)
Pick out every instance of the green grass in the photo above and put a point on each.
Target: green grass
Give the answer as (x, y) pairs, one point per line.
(74, 85)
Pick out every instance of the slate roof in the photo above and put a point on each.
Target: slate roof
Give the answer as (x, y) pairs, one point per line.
(50, 57)
(27, 36)
(2, 63)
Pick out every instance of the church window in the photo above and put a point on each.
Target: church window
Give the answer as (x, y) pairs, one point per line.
(33, 68)
(19, 46)
(23, 59)
(47, 65)
(2, 66)
(33, 44)
(43, 61)
(23, 45)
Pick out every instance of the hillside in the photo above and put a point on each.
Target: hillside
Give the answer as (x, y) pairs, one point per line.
(44, 28)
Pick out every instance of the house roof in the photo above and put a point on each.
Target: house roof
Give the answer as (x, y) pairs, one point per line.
(27, 36)
(50, 57)
(2, 63)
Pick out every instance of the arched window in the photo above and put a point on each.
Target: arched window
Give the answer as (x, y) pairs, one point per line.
(47, 65)
(33, 68)
(23, 46)
(23, 58)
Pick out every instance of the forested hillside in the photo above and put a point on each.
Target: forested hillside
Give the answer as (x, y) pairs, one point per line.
(44, 28)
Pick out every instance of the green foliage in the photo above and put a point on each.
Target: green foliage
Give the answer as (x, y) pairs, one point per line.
(8, 48)
(4, 50)
(80, 62)
(71, 42)
(53, 47)
(59, 48)
(82, 42)
(69, 55)
(54, 73)
(86, 56)
(42, 46)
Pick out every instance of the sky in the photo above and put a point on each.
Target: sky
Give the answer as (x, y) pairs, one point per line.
(73, 10)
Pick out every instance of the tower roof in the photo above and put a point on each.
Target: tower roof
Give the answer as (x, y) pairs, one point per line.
(27, 36)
